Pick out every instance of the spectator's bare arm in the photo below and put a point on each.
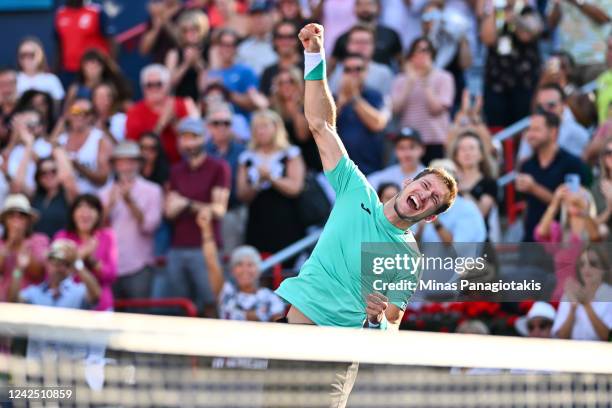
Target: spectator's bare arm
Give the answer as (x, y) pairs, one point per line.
(293, 183)
(92, 285)
(100, 175)
(65, 173)
(244, 190)
(374, 119)
(488, 30)
(18, 184)
(210, 252)
(592, 11)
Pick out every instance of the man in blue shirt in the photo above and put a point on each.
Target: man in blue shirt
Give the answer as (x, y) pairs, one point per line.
(361, 116)
(239, 79)
(546, 169)
(59, 290)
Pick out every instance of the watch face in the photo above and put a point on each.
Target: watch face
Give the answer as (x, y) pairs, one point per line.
(79, 264)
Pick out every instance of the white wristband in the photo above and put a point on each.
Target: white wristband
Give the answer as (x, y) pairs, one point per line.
(314, 66)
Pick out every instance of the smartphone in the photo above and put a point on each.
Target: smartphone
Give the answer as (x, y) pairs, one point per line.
(572, 181)
(554, 65)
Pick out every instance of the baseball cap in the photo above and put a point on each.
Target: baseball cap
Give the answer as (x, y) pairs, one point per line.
(261, 6)
(408, 133)
(191, 125)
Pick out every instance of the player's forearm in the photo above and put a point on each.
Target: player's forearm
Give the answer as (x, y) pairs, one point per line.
(319, 106)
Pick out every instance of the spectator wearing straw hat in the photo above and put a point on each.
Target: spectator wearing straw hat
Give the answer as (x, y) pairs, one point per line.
(200, 180)
(22, 253)
(537, 322)
(134, 208)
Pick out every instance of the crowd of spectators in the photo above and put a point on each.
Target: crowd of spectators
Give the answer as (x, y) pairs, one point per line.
(209, 170)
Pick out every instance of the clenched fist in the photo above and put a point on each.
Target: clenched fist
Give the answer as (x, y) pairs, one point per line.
(376, 304)
(311, 37)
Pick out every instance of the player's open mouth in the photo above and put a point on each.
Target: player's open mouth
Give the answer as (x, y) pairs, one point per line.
(413, 203)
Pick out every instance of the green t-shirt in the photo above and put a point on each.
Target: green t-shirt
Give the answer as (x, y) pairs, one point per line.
(329, 289)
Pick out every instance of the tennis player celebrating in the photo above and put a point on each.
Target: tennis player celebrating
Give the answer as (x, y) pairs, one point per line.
(328, 290)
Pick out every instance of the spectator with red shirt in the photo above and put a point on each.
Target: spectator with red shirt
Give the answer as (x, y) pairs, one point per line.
(199, 181)
(158, 111)
(79, 27)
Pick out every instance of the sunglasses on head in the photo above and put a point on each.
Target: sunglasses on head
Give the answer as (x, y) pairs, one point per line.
(350, 70)
(224, 123)
(539, 325)
(77, 110)
(153, 85)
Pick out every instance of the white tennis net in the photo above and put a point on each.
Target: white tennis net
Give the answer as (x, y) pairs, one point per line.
(115, 359)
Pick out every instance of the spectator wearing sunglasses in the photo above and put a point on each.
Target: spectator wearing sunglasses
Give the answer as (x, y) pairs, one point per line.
(285, 41)
(186, 62)
(361, 40)
(56, 189)
(28, 144)
(573, 137)
(422, 97)
(362, 116)
(33, 69)
(239, 79)
(223, 144)
(256, 50)
(537, 322)
(158, 111)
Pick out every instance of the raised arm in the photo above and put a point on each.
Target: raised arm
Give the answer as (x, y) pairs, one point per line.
(319, 106)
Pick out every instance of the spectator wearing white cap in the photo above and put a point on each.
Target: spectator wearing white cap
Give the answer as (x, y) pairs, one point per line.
(537, 322)
(133, 207)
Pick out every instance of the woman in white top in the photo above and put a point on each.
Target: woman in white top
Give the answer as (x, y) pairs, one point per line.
(33, 69)
(270, 178)
(87, 147)
(107, 105)
(585, 311)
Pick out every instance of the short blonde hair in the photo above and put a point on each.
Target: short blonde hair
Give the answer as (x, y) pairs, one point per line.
(281, 139)
(195, 18)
